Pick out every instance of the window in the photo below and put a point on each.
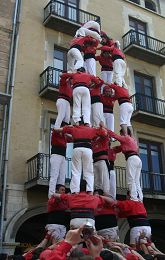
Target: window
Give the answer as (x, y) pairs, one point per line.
(66, 9)
(150, 154)
(139, 36)
(150, 5)
(59, 63)
(135, 1)
(144, 87)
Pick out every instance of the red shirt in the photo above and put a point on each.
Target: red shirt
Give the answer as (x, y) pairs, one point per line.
(58, 139)
(100, 148)
(112, 153)
(116, 53)
(128, 143)
(105, 62)
(56, 205)
(108, 103)
(82, 79)
(95, 90)
(82, 200)
(91, 49)
(78, 41)
(65, 90)
(121, 94)
(129, 208)
(84, 132)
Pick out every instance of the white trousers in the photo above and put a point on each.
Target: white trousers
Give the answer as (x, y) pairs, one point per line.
(112, 191)
(63, 109)
(82, 162)
(81, 104)
(133, 172)
(57, 231)
(74, 60)
(107, 76)
(97, 113)
(119, 69)
(109, 121)
(90, 66)
(79, 222)
(101, 176)
(136, 231)
(109, 233)
(58, 170)
(125, 113)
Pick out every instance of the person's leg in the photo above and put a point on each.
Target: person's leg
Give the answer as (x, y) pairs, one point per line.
(63, 172)
(76, 170)
(131, 166)
(109, 121)
(117, 68)
(91, 66)
(123, 71)
(86, 105)
(123, 117)
(98, 176)
(109, 76)
(104, 76)
(55, 164)
(137, 178)
(112, 192)
(97, 113)
(77, 93)
(61, 109)
(67, 112)
(87, 162)
(70, 60)
(129, 115)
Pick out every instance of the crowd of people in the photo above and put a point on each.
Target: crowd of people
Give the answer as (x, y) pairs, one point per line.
(83, 224)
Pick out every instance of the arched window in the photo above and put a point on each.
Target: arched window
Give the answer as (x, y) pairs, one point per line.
(135, 1)
(150, 5)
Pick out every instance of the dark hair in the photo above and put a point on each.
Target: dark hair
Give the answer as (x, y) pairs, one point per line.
(83, 185)
(58, 186)
(106, 254)
(64, 123)
(76, 254)
(148, 257)
(100, 192)
(82, 69)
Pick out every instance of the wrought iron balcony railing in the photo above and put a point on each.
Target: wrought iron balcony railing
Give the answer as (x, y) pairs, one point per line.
(148, 104)
(152, 183)
(144, 47)
(143, 40)
(50, 78)
(68, 12)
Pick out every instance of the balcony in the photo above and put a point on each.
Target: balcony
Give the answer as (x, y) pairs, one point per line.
(148, 110)
(49, 83)
(38, 175)
(144, 47)
(66, 18)
(4, 98)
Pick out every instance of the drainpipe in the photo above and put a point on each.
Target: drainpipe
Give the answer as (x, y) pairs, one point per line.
(10, 83)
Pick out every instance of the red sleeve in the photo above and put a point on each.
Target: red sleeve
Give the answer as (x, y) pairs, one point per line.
(101, 132)
(117, 149)
(97, 58)
(64, 196)
(117, 137)
(68, 130)
(123, 208)
(60, 252)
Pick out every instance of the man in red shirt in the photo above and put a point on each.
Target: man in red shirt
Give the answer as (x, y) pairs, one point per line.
(89, 51)
(119, 65)
(108, 100)
(130, 149)
(63, 102)
(82, 161)
(58, 164)
(105, 61)
(125, 107)
(81, 83)
(82, 206)
(100, 147)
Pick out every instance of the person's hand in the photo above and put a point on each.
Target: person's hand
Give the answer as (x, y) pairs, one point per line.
(94, 245)
(73, 237)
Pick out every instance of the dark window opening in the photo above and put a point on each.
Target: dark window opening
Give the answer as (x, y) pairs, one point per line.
(150, 5)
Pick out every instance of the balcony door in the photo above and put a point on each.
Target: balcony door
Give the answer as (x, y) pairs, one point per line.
(150, 154)
(66, 9)
(139, 36)
(144, 92)
(59, 64)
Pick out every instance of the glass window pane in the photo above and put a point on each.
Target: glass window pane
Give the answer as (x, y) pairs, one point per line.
(58, 64)
(155, 162)
(58, 55)
(148, 92)
(143, 145)
(154, 147)
(148, 82)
